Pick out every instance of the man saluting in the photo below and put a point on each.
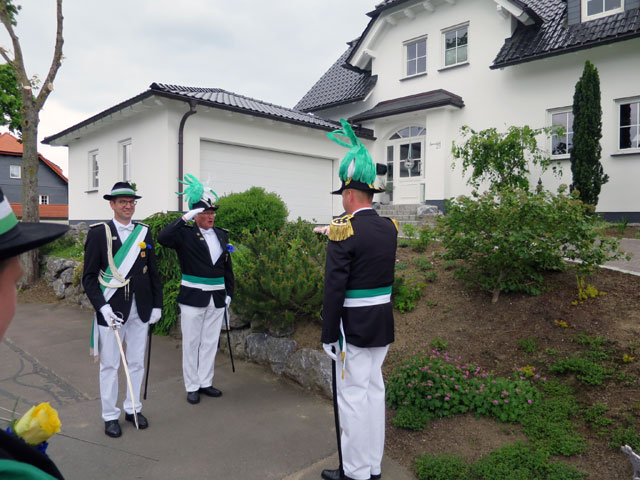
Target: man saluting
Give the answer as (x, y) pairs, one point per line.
(121, 280)
(206, 287)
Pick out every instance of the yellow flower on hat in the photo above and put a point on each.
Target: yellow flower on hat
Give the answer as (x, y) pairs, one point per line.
(142, 245)
(38, 424)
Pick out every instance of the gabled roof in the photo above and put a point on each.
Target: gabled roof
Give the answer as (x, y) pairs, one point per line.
(339, 85)
(555, 37)
(10, 145)
(215, 98)
(411, 103)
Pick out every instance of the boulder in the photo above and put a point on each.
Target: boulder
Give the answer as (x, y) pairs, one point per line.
(67, 275)
(58, 287)
(311, 369)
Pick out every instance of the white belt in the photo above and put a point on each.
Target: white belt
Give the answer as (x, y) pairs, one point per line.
(202, 286)
(367, 301)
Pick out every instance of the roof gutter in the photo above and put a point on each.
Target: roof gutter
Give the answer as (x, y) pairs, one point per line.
(192, 110)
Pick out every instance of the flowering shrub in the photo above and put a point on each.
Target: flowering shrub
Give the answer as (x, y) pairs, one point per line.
(445, 386)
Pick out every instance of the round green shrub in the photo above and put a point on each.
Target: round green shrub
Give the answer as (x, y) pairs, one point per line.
(251, 211)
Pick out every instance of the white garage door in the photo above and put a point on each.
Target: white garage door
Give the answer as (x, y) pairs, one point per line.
(303, 182)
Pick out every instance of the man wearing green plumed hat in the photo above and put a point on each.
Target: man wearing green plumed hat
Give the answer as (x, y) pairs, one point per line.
(206, 287)
(357, 313)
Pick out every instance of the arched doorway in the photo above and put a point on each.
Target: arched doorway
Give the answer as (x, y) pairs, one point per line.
(405, 162)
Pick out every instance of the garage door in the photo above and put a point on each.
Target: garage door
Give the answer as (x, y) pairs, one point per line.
(303, 182)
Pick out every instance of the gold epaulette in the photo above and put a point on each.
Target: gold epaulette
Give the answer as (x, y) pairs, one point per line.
(97, 224)
(395, 222)
(341, 228)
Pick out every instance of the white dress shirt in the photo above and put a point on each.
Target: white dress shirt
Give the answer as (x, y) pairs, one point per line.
(215, 249)
(123, 230)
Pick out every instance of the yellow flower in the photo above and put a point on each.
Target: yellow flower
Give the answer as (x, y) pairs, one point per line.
(38, 424)
(142, 245)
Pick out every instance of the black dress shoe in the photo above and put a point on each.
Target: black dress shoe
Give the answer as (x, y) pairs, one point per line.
(376, 477)
(112, 428)
(193, 397)
(334, 475)
(142, 420)
(211, 392)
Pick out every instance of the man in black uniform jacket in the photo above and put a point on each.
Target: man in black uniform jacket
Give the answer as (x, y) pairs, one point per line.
(357, 314)
(17, 458)
(205, 290)
(121, 280)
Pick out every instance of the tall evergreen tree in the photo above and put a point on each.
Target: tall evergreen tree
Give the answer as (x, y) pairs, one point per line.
(588, 175)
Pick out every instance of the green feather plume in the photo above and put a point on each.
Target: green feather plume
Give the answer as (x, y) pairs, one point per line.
(357, 163)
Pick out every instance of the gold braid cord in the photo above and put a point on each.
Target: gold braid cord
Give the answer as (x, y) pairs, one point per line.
(395, 222)
(124, 282)
(341, 228)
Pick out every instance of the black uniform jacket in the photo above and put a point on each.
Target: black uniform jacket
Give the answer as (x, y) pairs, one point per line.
(195, 259)
(145, 282)
(365, 260)
(13, 448)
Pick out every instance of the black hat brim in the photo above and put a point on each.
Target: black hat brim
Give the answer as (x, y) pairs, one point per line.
(356, 185)
(205, 205)
(27, 236)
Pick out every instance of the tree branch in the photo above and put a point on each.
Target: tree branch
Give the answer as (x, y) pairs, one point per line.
(47, 86)
(18, 61)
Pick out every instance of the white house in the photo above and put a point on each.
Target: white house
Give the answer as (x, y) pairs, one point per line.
(230, 141)
(420, 70)
(423, 68)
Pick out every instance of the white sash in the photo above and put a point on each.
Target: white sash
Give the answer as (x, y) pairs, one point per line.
(127, 261)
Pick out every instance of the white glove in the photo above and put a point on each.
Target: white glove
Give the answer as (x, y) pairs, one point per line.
(190, 215)
(156, 314)
(327, 348)
(227, 300)
(112, 320)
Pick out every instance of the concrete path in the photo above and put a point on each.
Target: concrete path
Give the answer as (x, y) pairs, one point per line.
(263, 427)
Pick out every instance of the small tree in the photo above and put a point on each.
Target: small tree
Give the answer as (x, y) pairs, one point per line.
(502, 159)
(32, 103)
(10, 103)
(588, 175)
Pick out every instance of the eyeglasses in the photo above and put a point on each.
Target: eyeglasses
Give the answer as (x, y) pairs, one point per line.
(126, 202)
(208, 213)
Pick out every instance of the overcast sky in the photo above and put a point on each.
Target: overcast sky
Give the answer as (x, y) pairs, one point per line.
(272, 50)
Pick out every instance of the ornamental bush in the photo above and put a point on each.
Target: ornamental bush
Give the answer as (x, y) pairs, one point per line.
(508, 238)
(282, 277)
(251, 211)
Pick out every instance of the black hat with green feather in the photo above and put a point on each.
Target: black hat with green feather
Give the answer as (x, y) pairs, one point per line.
(197, 195)
(357, 169)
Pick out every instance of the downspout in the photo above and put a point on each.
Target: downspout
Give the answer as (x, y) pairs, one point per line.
(192, 110)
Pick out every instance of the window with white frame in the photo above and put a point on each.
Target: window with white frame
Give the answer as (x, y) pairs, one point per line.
(562, 137)
(15, 171)
(592, 9)
(629, 124)
(415, 57)
(409, 143)
(44, 199)
(94, 170)
(125, 160)
(456, 42)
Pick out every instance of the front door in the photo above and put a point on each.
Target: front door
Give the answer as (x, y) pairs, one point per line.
(406, 162)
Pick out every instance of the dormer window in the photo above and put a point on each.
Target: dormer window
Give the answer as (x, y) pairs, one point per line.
(592, 9)
(415, 57)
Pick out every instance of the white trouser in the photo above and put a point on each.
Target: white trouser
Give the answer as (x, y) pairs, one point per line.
(134, 334)
(361, 406)
(200, 333)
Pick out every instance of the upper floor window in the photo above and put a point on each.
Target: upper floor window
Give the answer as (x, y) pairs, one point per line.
(94, 170)
(592, 9)
(416, 57)
(456, 41)
(15, 171)
(562, 142)
(44, 199)
(125, 160)
(629, 136)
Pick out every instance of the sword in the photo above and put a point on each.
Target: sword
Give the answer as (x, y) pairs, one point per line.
(146, 380)
(226, 321)
(126, 369)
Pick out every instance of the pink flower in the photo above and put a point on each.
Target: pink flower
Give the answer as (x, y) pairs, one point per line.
(506, 401)
(529, 402)
(428, 397)
(495, 402)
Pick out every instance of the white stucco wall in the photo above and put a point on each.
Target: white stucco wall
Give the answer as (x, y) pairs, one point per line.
(516, 95)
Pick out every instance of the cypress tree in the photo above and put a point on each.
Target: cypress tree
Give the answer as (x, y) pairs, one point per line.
(588, 175)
